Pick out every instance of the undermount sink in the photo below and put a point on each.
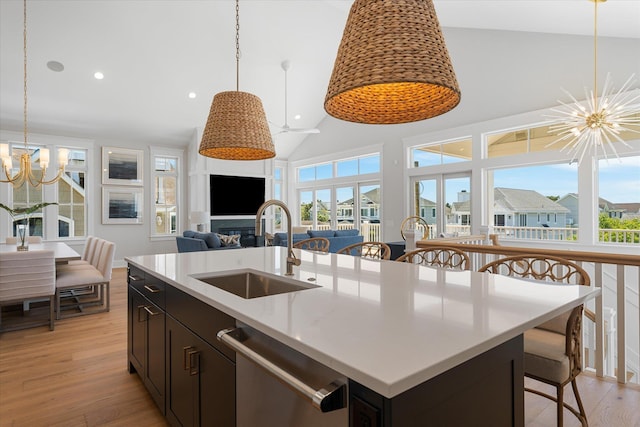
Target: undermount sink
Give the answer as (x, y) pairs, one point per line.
(252, 284)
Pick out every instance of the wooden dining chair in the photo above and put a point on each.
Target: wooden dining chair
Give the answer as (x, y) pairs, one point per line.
(372, 250)
(552, 350)
(318, 244)
(438, 256)
(26, 276)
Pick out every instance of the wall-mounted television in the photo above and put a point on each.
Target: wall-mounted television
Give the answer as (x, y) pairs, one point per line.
(235, 195)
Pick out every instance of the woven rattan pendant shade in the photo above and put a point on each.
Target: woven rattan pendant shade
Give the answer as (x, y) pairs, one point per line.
(392, 65)
(237, 128)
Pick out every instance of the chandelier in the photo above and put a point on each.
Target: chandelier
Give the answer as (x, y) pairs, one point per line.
(26, 174)
(597, 126)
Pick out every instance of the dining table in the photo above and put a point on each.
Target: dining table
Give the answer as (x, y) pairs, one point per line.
(62, 252)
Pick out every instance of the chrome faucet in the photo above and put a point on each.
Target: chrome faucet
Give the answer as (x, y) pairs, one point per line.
(291, 258)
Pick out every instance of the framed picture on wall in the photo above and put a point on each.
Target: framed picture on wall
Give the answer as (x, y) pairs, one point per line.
(122, 205)
(121, 166)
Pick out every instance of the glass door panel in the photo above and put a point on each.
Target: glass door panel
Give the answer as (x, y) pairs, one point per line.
(370, 212)
(458, 205)
(345, 207)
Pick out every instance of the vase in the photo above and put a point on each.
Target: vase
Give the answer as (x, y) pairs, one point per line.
(23, 237)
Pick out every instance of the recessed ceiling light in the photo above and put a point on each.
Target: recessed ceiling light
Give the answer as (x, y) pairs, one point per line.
(55, 66)
(297, 117)
(192, 95)
(98, 75)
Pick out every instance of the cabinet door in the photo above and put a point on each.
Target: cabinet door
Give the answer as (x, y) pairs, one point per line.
(154, 378)
(137, 333)
(200, 381)
(146, 344)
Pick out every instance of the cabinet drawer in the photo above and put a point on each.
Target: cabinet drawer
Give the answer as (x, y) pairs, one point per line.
(151, 287)
(200, 317)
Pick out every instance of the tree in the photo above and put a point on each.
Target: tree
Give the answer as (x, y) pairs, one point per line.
(553, 198)
(305, 211)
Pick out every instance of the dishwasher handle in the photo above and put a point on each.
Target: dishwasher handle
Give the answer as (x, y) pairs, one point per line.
(326, 399)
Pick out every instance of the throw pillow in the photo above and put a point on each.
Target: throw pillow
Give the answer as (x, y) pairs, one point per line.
(188, 233)
(233, 240)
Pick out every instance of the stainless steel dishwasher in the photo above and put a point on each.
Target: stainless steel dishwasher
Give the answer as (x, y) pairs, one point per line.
(278, 386)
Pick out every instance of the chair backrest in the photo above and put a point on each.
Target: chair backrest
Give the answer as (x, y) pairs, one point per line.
(318, 244)
(373, 250)
(34, 239)
(103, 257)
(28, 274)
(11, 240)
(546, 268)
(89, 248)
(438, 256)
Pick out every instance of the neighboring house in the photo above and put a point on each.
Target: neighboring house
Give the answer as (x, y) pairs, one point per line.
(526, 208)
(570, 201)
(612, 210)
(629, 210)
(369, 207)
(428, 210)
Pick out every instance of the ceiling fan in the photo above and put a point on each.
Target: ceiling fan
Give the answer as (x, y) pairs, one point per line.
(286, 65)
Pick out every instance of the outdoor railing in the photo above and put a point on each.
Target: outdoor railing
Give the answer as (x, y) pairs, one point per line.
(611, 343)
(624, 236)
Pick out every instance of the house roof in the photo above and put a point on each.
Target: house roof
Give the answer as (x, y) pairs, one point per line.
(517, 200)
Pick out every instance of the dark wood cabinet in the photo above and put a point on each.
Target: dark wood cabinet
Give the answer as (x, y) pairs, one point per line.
(172, 346)
(200, 380)
(146, 323)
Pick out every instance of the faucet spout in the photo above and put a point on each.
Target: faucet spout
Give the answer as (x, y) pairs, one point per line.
(291, 258)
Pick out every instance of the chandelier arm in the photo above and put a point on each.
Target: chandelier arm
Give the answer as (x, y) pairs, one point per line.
(51, 181)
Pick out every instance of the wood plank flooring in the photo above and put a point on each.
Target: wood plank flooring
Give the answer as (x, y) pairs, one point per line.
(77, 376)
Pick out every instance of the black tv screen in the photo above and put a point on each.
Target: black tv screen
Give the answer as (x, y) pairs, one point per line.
(235, 195)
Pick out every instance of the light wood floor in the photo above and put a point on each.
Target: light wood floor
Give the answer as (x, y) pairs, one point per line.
(77, 376)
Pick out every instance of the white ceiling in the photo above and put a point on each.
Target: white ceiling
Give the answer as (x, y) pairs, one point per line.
(153, 53)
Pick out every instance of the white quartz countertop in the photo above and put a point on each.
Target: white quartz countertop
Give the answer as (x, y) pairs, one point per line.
(387, 325)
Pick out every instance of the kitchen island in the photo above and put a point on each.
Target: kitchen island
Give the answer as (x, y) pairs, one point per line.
(413, 341)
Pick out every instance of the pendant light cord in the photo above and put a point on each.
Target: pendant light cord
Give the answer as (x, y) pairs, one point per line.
(237, 45)
(595, 50)
(24, 51)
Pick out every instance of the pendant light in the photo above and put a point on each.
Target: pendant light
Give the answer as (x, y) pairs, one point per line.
(25, 174)
(392, 65)
(597, 126)
(237, 127)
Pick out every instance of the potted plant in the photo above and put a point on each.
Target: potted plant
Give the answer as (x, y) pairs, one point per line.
(26, 211)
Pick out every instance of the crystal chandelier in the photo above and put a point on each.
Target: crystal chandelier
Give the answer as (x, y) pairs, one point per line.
(25, 174)
(597, 126)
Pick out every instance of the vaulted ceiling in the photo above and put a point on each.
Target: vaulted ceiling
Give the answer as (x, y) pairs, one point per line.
(153, 53)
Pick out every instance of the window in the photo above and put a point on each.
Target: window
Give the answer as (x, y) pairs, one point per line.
(447, 199)
(66, 220)
(619, 200)
(72, 211)
(541, 198)
(343, 168)
(278, 182)
(348, 196)
(521, 141)
(165, 176)
(441, 153)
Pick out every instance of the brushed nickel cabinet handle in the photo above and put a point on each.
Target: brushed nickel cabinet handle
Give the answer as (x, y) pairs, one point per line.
(153, 289)
(134, 278)
(186, 359)
(151, 312)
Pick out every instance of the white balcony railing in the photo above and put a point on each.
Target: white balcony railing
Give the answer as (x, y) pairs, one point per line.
(612, 320)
